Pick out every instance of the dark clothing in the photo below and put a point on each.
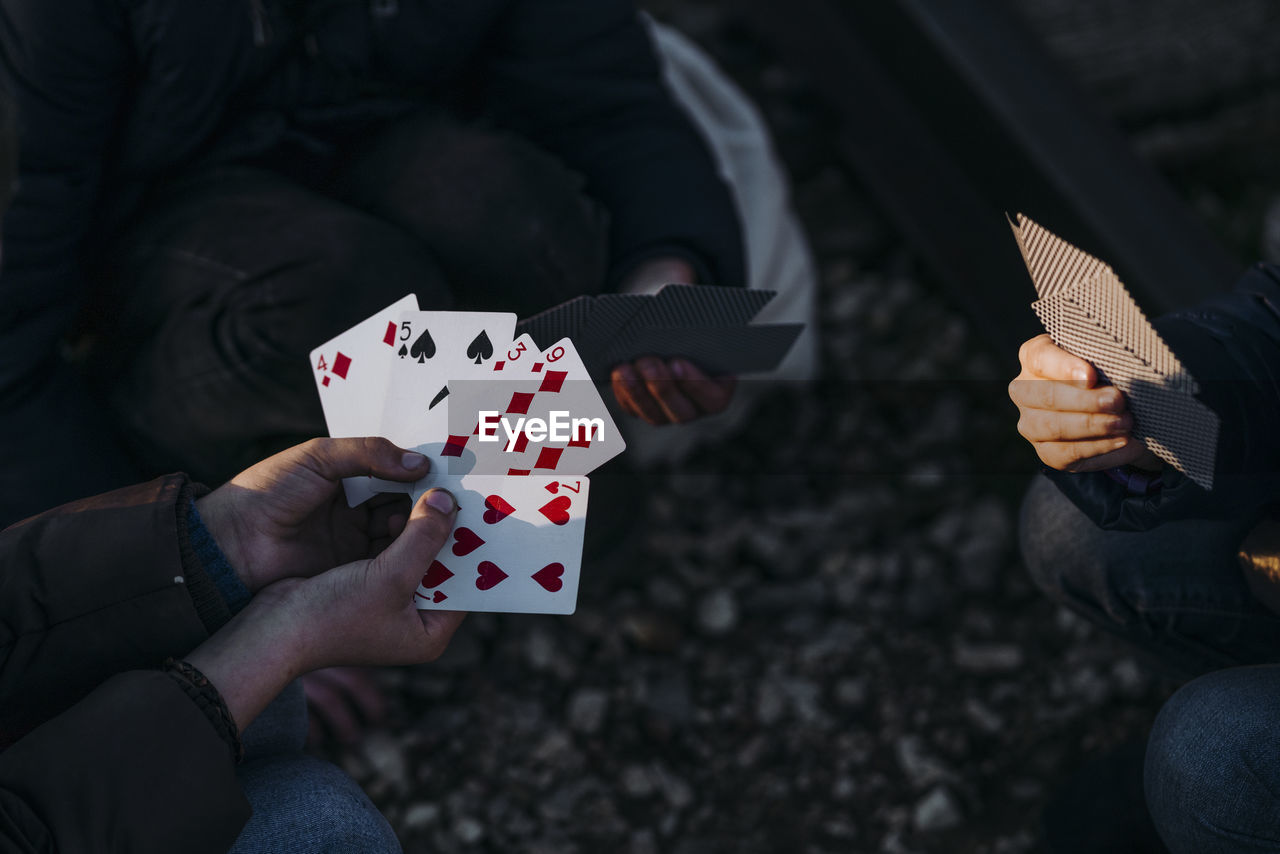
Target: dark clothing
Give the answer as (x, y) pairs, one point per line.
(132, 113)
(1231, 345)
(115, 97)
(109, 755)
(1175, 592)
(1212, 770)
(231, 278)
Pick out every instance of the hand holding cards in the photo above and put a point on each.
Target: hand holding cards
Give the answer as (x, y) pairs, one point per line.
(1089, 313)
(510, 430)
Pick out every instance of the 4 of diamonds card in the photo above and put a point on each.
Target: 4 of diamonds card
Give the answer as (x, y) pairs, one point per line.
(351, 373)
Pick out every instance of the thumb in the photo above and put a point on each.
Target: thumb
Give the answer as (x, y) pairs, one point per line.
(334, 459)
(411, 553)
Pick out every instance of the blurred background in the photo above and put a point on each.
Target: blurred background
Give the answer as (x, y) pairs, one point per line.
(818, 636)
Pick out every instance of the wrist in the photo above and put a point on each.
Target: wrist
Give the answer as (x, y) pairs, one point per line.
(264, 648)
(224, 527)
(651, 275)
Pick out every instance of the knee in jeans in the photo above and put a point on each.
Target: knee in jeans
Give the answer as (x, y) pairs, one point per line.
(303, 803)
(1203, 756)
(1058, 542)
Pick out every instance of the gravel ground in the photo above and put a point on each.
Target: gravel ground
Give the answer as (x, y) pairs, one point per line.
(819, 643)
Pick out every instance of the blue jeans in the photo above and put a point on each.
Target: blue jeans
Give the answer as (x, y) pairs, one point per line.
(1212, 772)
(302, 805)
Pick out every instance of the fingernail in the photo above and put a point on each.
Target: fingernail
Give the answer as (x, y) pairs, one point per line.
(678, 368)
(649, 369)
(1080, 375)
(442, 500)
(1120, 443)
(412, 460)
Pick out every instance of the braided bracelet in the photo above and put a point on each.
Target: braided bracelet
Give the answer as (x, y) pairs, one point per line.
(202, 692)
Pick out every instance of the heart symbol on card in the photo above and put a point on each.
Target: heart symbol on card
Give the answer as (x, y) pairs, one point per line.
(438, 597)
(436, 575)
(552, 487)
(496, 509)
(490, 575)
(549, 577)
(465, 542)
(557, 510)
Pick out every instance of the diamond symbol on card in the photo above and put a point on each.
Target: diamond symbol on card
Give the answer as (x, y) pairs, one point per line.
(553, 381)
(548, 458)
(536, 369)
(455, 446)
(520, 402)
(341, 364)
(325, 381)
(389, 337)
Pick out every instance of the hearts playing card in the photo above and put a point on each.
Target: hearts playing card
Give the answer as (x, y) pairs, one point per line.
(516, 547)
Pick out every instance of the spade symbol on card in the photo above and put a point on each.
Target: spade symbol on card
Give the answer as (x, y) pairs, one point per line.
(440, 395)
(481, 348)
(424, 348)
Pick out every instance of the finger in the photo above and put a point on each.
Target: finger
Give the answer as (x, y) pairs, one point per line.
(439, 627)
(710, 395)
(361, 690)
(387, 519)
(1092, 455)
(1040, 356)
(409, 555)
(1040, 425)
(647, 409)
(662, 385)
(620, 394)
(326, 703)
(1034, 393)
(334, 459)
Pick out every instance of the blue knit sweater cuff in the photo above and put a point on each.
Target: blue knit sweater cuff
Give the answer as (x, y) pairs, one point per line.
(215, 563)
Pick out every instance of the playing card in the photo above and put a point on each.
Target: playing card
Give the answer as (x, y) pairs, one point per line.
(567, 320)
(434, 348)
(701, 305)
(716, 350)
(610, 315)
(1089, 313)
(351, 373)
(554, 396)
(516, 547)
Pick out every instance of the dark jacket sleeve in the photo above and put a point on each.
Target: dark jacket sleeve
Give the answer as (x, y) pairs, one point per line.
(65, 66)
(1231, 345)
(135, 766)
(95, 588)
(108, 755)
(580, 78)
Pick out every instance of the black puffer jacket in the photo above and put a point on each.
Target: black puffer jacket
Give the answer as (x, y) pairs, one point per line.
(114, 95)
(1231, 345)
